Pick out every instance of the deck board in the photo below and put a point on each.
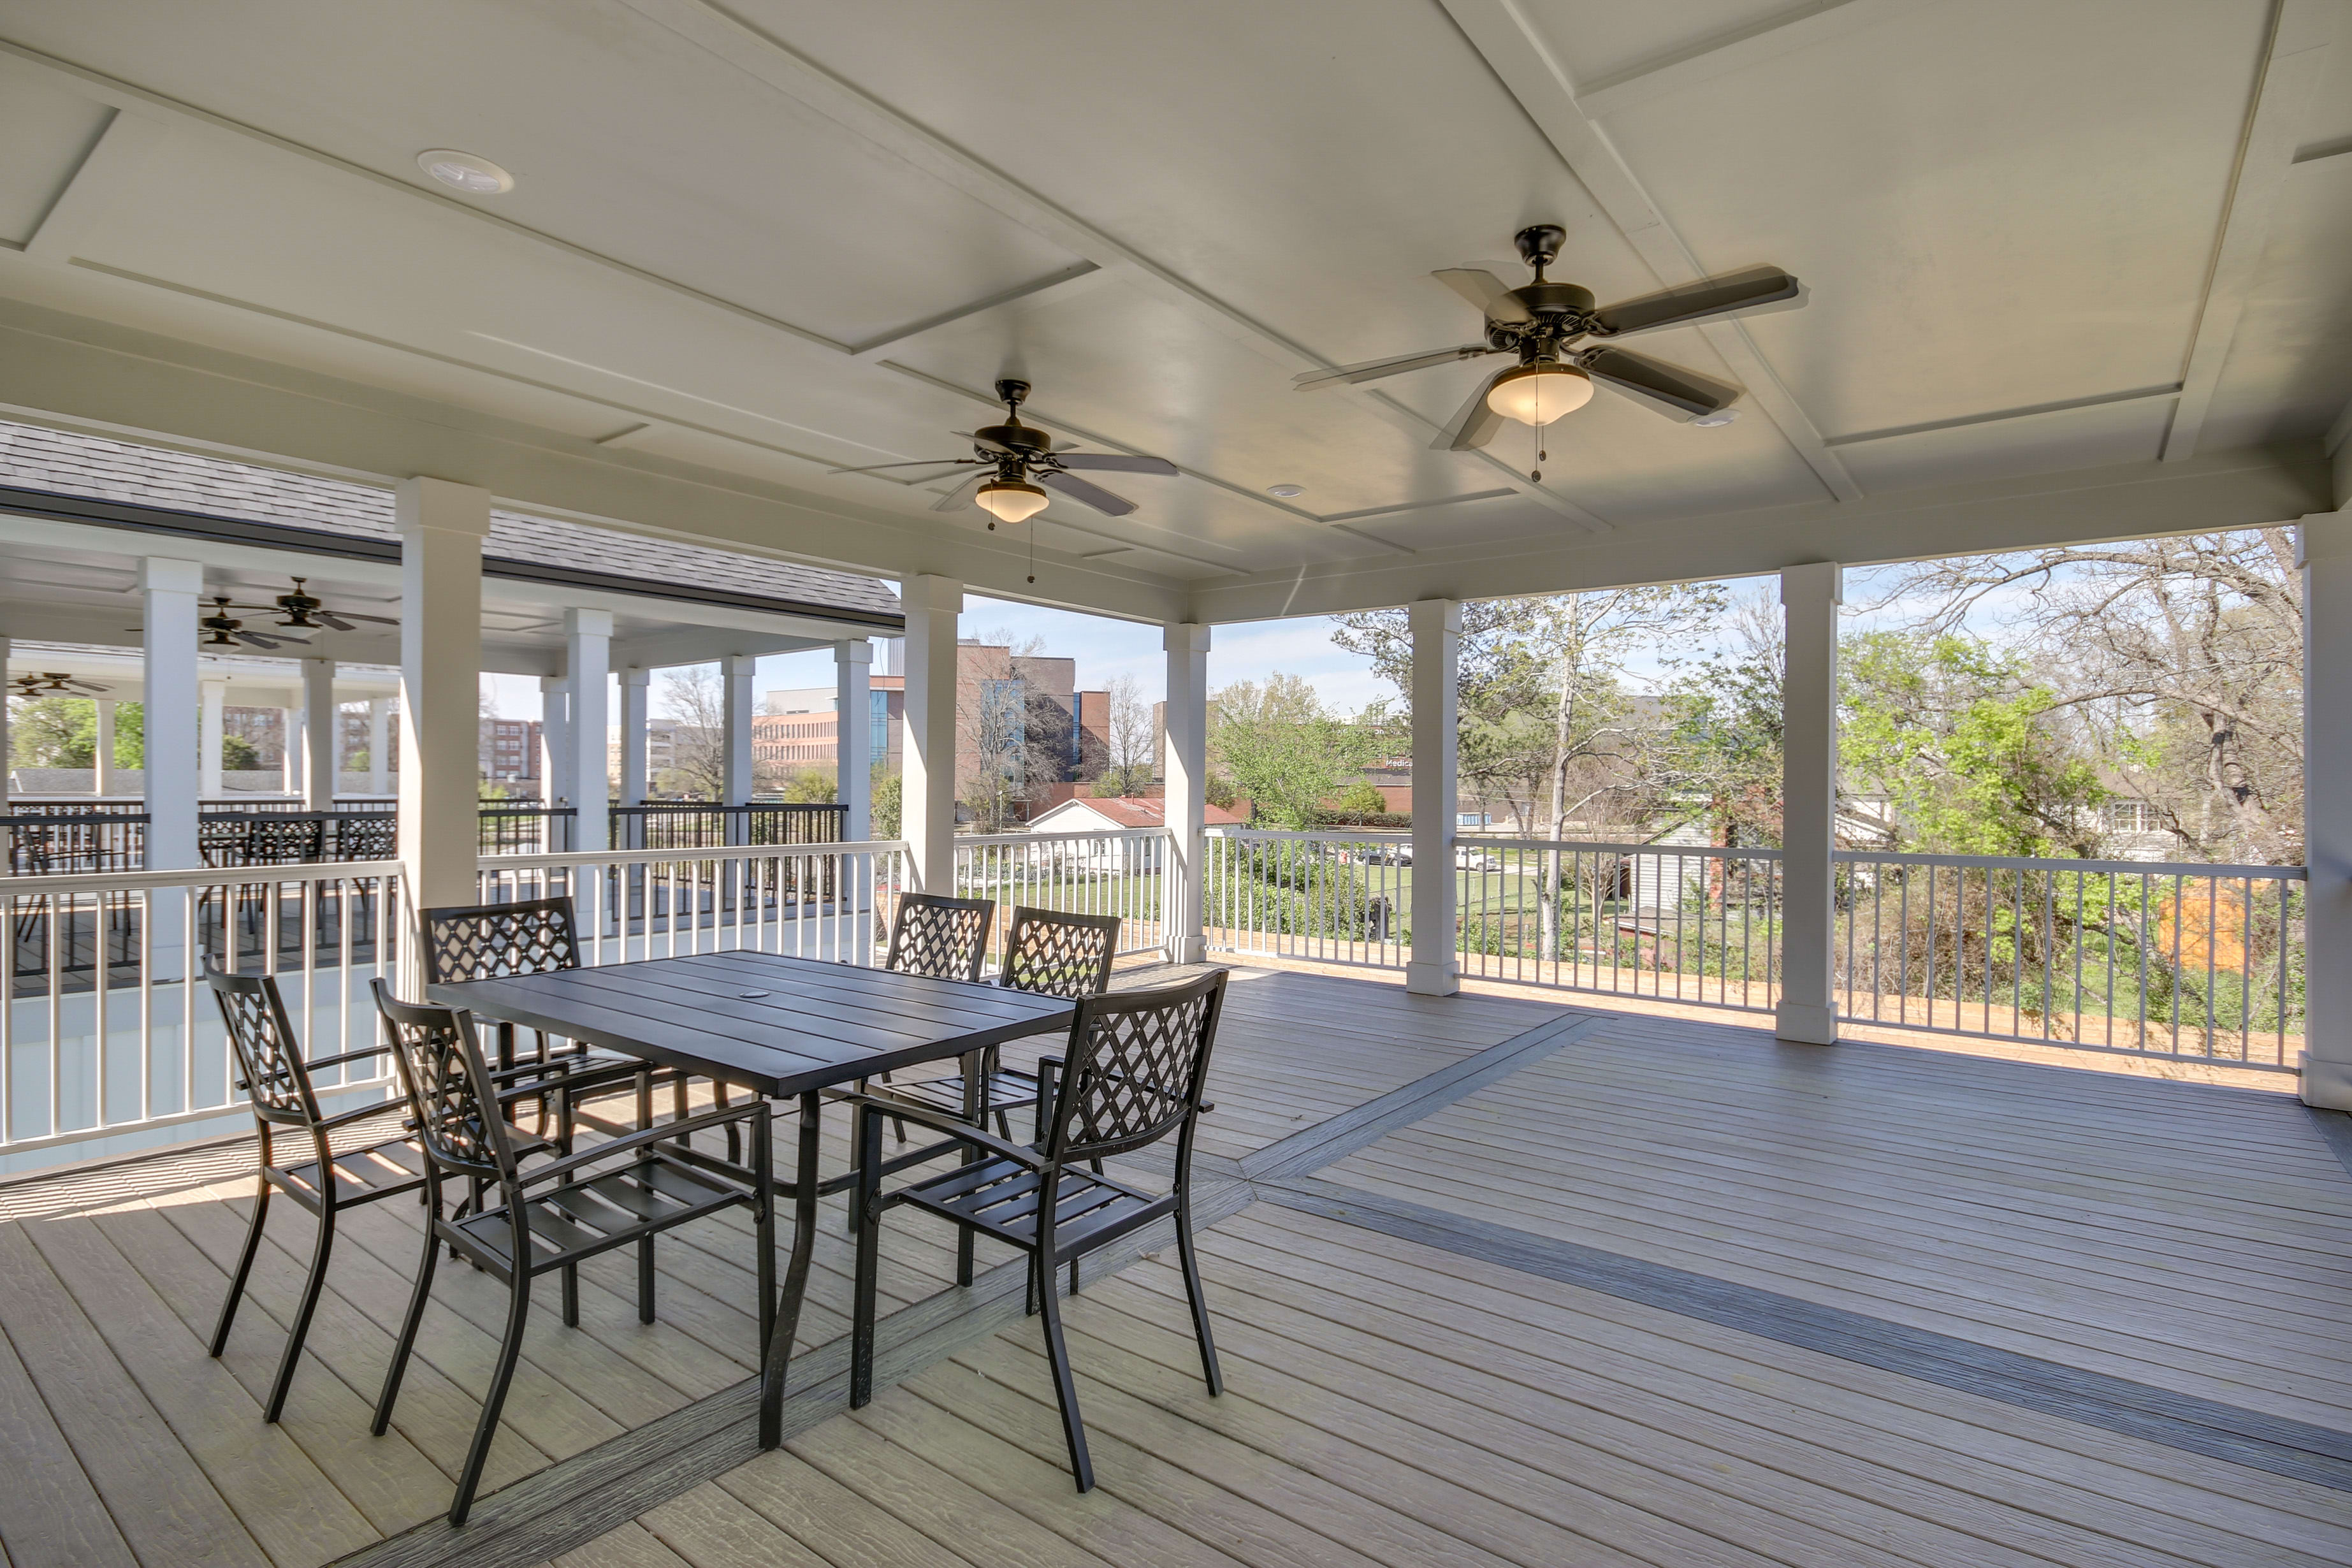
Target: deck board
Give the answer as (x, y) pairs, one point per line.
(1389, 1402)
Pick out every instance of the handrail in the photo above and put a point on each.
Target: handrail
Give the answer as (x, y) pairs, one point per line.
(568, 858)
(1588, 845)
(2069, 863)
(986, 840)
(195, 876)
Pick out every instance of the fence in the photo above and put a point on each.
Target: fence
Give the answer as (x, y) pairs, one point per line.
(2195, 962)
(1321, 896)
(1122, 874)
(693, 825)
(106, 1033)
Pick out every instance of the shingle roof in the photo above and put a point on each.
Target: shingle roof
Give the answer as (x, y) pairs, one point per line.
(67, 463)
(1138, 811)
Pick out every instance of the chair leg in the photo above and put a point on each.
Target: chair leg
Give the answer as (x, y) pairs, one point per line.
(494, 1402)
(734, 1130)
(646, 1280)
(1074, 1275)
(1065, 1387)
(301, 1326)
(243, 1267)
(963, 1253)
(401, 1347)
(865, 1203)
(1192, 1290)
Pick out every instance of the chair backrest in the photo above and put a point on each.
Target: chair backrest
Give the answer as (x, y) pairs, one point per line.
(1055, 954)
(275, 839)
(266, 1051)
(490, 942)
(374, 837)
(441, 1067)
(1137, 1064)
(946, 938)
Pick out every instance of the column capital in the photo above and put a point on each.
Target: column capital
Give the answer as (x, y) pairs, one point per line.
(739, 664)
(440, 505)
(1451, 609)
(161, 574)
(637, 675)
(1806, 573)
(856, 651)
(1185, 636)
(588, 623)
(2323, 536)
(554, 683)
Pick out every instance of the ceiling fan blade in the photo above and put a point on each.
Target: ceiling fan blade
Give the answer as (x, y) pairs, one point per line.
(925, 463)
(1373, 369)
(1093, 495)
(963, 493)
(330, 618)
(1753, 292)
(1115, 463)
(1472, 426)
(1666, 389)
(257, 640)
(982, 442)
(1487, 291)
(356, 615)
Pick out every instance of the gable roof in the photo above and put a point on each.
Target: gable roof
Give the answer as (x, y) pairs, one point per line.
(71, 476)
(1135, 811)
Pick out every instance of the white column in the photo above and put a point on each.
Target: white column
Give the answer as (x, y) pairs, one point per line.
(442, 526)
(927, 802)
(852, 735)
(1810, 597)
(102, 784)
(212, 732)
(322, 731)
(297, 744)
(2324, 553)
(1186, 770)
(1435, 969)
(168, 592)
(555, 738)
(738, 673)
(8, 771)
(636, 688)
(588, 655)
(379, 764)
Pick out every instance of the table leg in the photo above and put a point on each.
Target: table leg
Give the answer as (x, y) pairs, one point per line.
(976, 1095)
(788, 1314)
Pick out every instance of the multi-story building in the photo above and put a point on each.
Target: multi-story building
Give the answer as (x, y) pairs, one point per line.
(510, 751)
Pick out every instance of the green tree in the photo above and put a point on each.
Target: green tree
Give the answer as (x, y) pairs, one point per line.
(62, 733)
(810, 786)
(1284, 749)
(888, 801)
(1362, 799)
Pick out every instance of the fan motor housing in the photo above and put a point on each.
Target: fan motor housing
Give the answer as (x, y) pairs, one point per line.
(1016, 438)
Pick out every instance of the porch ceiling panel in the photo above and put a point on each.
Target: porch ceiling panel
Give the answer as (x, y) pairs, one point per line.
(755, 240)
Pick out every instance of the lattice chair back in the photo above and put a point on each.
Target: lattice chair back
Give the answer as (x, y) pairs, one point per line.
(1136, 1065)
(274, 839)
(371, 838)
(490, 942)
(946, 938)
(441, 1066)
(266, 1051)
(1059, 954)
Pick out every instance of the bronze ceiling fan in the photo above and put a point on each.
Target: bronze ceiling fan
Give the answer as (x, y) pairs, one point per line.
(306, 611)
(49, 683)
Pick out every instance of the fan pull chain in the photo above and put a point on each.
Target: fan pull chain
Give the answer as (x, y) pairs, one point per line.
(1033, 550)
(1535, 475)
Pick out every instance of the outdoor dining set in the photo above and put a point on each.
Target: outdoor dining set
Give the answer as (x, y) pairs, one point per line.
(650, 1093)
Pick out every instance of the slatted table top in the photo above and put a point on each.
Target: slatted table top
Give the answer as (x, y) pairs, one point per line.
(777, 1024)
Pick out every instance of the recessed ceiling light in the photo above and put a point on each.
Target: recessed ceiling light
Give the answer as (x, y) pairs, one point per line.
(1720, 416)
(464, 171)
(1285, 491)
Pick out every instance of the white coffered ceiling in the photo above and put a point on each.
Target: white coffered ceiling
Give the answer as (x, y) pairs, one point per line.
(751, 239)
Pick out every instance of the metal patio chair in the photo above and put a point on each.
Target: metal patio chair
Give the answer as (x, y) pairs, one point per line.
(552, 1219)
(276, 1076)
(1050, 953)
(1135, 1067)
(943, 938)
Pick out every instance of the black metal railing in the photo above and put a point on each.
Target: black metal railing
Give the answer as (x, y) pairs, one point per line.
(699, 825)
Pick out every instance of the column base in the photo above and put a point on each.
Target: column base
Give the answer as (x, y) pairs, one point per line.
(1805, 1023)
(1433, 979)
(1191, 949)
(2326, 1085)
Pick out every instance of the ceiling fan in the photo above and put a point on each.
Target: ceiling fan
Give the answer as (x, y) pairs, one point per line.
(225, 630)
(306, 610)
(51, 683)
(1008, 457)
(1539, 320)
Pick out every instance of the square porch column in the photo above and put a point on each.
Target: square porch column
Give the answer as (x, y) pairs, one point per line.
(927, 808)
(2324, 552)
(379, 764)
(636, 687)
(1186, 770)
(442, 526)
(738, 673)
(853, 736)
(103, 781)
(168, 594)
(291, 770)
(555, 738)
(1435, 968)
(588, 657)
(322, 735)
(1810, 597)
(7, 773)
(212, 731)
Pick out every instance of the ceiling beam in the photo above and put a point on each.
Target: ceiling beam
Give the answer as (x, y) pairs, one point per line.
(1069, 281)
(1523, 63)
(117, 156)
(2001, 415)
(1768, 41)
(769, 59)
(2301, 31)
(2130, 501)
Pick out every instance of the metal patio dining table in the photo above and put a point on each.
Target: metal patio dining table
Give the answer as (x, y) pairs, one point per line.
(781, 1027)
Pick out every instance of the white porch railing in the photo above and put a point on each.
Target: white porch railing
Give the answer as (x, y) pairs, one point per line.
(108, 1039)
(2202, 963)
(1336, 897)
(1123, 874)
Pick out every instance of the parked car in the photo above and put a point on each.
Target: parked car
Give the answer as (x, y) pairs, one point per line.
(1467, 858)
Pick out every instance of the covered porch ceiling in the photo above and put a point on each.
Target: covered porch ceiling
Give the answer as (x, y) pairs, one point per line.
(2076, 271)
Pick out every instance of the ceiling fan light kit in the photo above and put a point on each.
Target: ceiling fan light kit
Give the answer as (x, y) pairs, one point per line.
(1540, 393)
(1010, 501)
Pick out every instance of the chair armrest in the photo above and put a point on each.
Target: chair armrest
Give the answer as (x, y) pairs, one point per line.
(1049, 1092)
(348, 1056)
(345, 1118)
(939, 1122)
(667, 1131)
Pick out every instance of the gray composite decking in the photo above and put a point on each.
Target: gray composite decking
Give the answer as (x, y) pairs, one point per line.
(1494, 1281)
